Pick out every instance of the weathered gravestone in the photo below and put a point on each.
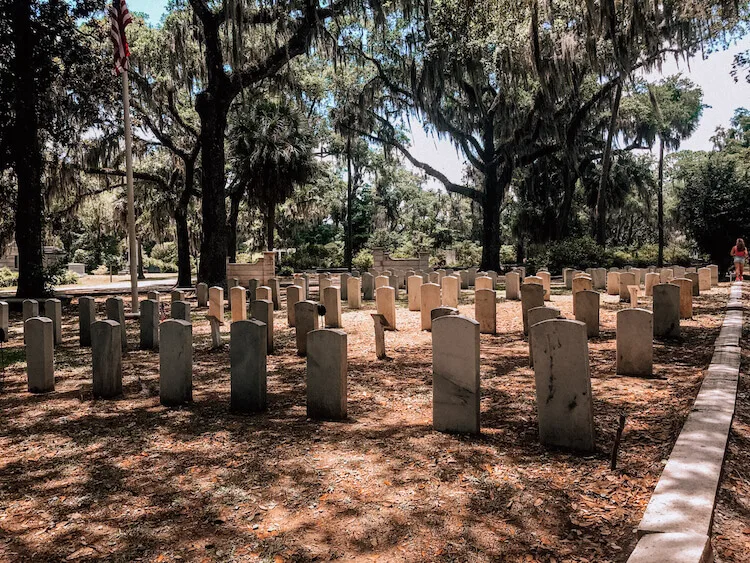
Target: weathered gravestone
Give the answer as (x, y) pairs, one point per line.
(666, 311)
(30, 309)
(599, 277)
(635, 336)
(537, 315)
(115, 308)
(86, 316)
(306, 320)
(381, 281)
(262, 310)
(106, 359)
(237, 304)
(532, 295)
(546, 284)
(385, 298)
(429, 299)
(323, 283)
(293, 296)
(512, 286)
(581, 284)
(326, 374)
(485, 310)
(273, 283)
(563, 384)
(380, 324)
(53, 311)
(455, 375)
(332, 302)
(181, 309)
(247, 357)
(149, 329)
(414, 288)
(40, 354)
(714, 274)
(177, 295)
(201, 294)
(176, 363)
(666, 275)
(586, 305)
(686, 297)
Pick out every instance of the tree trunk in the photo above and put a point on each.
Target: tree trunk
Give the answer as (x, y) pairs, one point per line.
(234, 212)
(660, 204)
(601, 198)
(141, 275)
(27, 157)
(184, 275)
(212, 110)
(270, 225)
(491, 221)
(348, 249)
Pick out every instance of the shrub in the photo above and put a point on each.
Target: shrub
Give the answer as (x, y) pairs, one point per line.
(8, 278)
(468, 254)
(580, 253)
(508, 254)
(363, 261)
(166, 267)
(166, 252)
(286, 271)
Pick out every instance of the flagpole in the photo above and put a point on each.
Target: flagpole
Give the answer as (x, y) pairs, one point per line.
(135, 307)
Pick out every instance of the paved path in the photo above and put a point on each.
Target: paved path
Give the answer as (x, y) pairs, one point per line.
(107, 288)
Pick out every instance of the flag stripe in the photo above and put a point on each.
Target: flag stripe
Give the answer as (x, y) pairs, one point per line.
(120, 18)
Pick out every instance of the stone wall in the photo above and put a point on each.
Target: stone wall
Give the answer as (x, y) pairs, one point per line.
(383, 261)
(262, 270)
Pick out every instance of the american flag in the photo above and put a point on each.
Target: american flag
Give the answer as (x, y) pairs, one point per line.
(120, 18)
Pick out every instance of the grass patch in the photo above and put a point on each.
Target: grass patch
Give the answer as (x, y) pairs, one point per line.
(10, 356)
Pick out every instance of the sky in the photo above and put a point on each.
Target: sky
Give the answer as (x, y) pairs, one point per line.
(720, 92)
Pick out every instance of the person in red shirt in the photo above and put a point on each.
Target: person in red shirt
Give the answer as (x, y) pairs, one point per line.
(740, 256)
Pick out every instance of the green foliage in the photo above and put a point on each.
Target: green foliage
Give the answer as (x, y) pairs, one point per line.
(714, 200)
(164, 267)
(8, 278)
(363, 261)
(313, 256)
(166, 252)
(580, 253)
(286, 271)
(508, 254)
(468, 254)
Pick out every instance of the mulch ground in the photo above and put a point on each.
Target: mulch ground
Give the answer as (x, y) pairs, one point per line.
(731, 531)
(130, 480)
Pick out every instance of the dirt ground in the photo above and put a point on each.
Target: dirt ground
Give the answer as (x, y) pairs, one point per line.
(130, 480)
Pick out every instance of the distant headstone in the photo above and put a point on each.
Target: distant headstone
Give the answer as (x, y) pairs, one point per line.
(652, 279)
(181, 309)
(156, 296)
(626, 279)
(532, 295)
(262, 310)
(693, 277)
(599, 277)
(30, 309)
(586, 304)
(485, 310)
(326, 374)
(455, 375)
(546, 284)
(635, 349)
(512, 286)
(237, 304)
(368, 286)
(344, 293)
(115, 308)
(332, 302)
(537, 315)
(252, 286)
(714, 274)
(86, 316)
(483, 282)
(563, 384)
(666, 275)
(53, 311)
(273, 283)
(381, 281)
(293, 296)
(613, 283)
(429, 299)
(354, 293)
(40, 354)
(306, 321)
(149, 329)
(106, 358)
(704, 279)
(201, 294)
(666, 311)
(176, 363)
(686, 297)
(581, 284)
(216, 303)
(263, 293)
(247, 357)
(177, 295)
(323, 283)
(414, 290)
(450, 290)
(385, 298)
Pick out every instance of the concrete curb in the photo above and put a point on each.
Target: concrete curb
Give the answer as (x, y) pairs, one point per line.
(676, 526)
